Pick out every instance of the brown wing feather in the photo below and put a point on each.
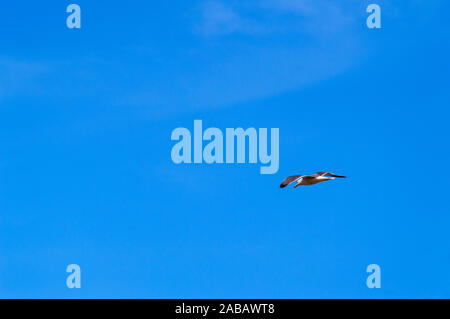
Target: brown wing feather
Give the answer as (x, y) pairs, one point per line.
(289, 180)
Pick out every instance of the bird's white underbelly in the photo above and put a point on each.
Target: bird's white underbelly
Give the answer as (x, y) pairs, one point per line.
(312, 181)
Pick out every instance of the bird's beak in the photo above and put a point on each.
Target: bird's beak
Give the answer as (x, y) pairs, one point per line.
(296, 185)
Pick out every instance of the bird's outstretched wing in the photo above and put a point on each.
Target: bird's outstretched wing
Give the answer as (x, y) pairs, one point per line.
(289, 180)
(327, 174)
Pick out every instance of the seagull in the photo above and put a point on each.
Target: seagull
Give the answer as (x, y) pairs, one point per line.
(309, 179)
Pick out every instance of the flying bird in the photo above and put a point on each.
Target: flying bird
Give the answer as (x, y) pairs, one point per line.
(309, 179)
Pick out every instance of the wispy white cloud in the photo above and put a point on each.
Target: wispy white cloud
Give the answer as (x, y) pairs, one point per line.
(231, 51)
(55, 79)
(18, 76)
(318, 16)
(259, 48)
(221, 18)
(302, 16)
(217, 18)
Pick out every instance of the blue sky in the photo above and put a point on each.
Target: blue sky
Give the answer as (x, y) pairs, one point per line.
(86, 175)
